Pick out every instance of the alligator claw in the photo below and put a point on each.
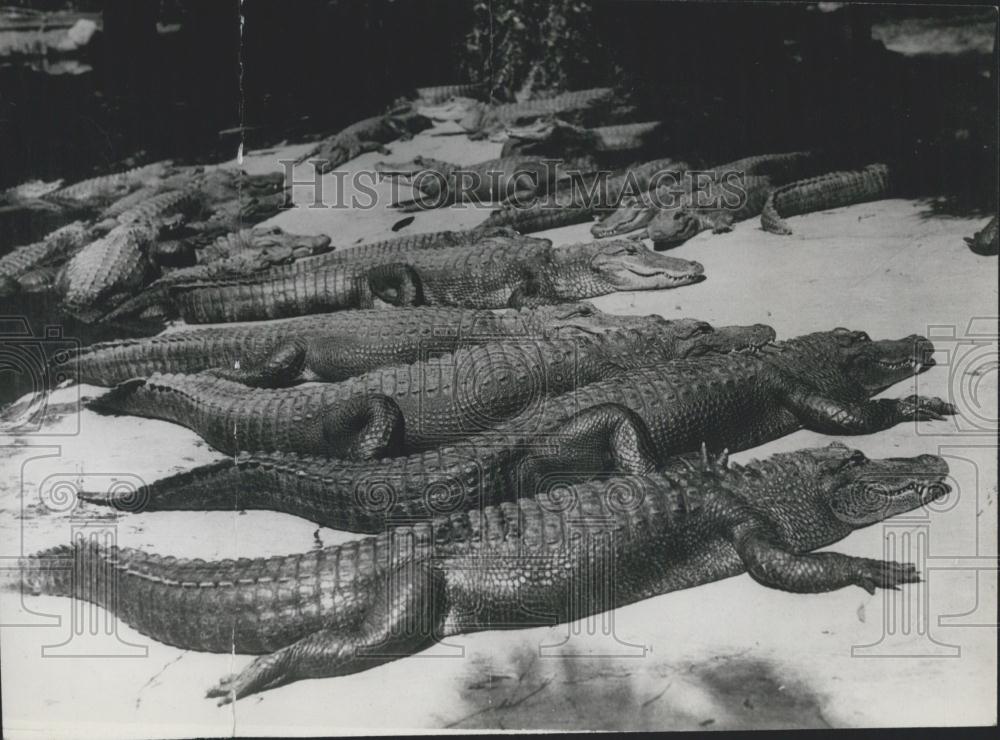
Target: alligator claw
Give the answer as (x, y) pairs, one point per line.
(872, 574)
(924, 408)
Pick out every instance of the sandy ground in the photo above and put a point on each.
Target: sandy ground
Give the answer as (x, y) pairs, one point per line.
(727, 655)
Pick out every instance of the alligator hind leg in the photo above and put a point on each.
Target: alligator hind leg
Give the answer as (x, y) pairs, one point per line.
(280, 368)
(397, 284)
(607, 438)
(365, 428)
(406, 615)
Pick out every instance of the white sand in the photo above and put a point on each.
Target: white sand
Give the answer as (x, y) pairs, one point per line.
(727, 655)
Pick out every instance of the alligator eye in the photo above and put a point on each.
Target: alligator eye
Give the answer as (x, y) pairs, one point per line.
(862, 337)
(857, 458)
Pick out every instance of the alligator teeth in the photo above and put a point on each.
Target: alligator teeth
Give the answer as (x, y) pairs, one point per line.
(896, 365)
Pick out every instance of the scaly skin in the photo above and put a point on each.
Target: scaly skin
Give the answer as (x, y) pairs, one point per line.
(407, 408)
(157, 299)
(367, 135)
(579, 202)
(55, 247)
(39, 280)
(442, 183)
(822, 382)
(336, 346)
(28, 192)
(556, 138)
(100, 191)
(659, 208)
(480, 119)
(495, 272)
(987, 241)
(235, 254)
(343, 609)
(106, 271)
(400, 247)
(437, 94)
(832, 190)
(262, 237)
(731, 201)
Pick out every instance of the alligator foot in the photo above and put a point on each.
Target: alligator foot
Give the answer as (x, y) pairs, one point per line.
(821, 414)
(871, 574)
(923, 408)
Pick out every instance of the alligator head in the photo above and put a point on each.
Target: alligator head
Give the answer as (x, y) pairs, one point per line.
(276, 239)
(408, 122)
(453, 110)
(545, 129)
(627, 265)
(675, 226)
(632, 214)
(815, 497)
(692, 338)
(260, 207)
(842, 360)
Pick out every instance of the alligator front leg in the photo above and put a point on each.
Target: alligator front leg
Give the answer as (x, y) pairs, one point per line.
(826, 415)
(719, 223)
(405, 616)
(806, 573)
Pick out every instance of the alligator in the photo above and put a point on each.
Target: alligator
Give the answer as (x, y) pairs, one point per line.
(986, 241)
(552, 137)
(27, 193)
(55, 248)
(39, 280)
(328, 347)
(507, 178)
(480, 120)
(832, 190)
(346, 608)
(430, 402)
(234, 254)
(97, 192)
(106, 271)
(676, 211)
(237, 213)
(157, 300)
(581, 200)
(216, 185)
(367, 135)
(437, 94)
(731, 199)
(822, 382)
(495, 272)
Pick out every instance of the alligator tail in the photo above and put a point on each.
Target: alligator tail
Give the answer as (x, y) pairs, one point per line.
(47, 572)
(118, 400)
(140, 304)
(217, 486)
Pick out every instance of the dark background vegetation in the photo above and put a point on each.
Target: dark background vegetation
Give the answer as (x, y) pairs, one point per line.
(729, 79)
